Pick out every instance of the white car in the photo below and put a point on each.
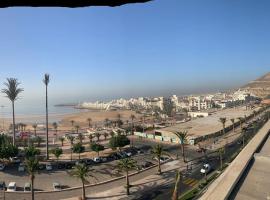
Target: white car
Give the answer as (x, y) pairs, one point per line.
(21, 167)
(56, 186)
(49, 167)
(27, 187)
(2, 166)
(11, 187)
(15, 160)
(97, 160)
(205, 169)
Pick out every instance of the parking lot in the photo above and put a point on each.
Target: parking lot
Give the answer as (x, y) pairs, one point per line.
(44, 179)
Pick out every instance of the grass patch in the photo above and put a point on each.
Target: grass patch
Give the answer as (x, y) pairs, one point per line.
(190, 194)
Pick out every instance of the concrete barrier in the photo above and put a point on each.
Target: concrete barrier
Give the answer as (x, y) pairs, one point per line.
(222, 187)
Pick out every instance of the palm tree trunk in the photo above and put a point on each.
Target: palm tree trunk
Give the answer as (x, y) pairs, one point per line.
(83, 191)
(175, 191)
(183, 152)
(127, 182)
(221, 164)
(13, 116)
(47, 126)
(32, 187)
(159, 168)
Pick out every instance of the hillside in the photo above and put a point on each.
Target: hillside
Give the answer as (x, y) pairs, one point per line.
(260, 87)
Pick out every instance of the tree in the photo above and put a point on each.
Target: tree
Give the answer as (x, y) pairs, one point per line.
(77, 127)
(31, 152)
(182, 136)
(35, 129)
(89, 120)
(158, 151)
(232, 120)
(62, 139)
(105, 135)
(118, 141)
(176, 186)
(223, 120)
(221, 151)
(96, 147)
(168, 107)
(78, 148)
(241, 121)
(82, 172)
(97, 135)
(38, 140)
(55, 127)
(7, 149)
(126, 165)
(46, 81)
(12, 93)
(72, 122)
(111, 134)
(106, 122)
(71, 140)
(90, 137)
(254, 113)
(80, 137)
(57, 152)
(132, 117)
(32, 168)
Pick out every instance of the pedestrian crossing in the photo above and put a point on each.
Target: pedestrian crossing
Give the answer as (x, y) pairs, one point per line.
(190, 182)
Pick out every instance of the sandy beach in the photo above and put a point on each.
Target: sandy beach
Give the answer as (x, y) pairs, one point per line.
(63, 120)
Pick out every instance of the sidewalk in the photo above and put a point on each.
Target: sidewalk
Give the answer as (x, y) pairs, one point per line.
(139, 186)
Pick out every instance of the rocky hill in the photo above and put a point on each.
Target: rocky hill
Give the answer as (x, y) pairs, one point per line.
(260, 87)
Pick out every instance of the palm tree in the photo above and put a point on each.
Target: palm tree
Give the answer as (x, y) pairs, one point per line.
(105, 135)
(241, 121)
(46, 81)
(111, 133)
(12, 91)
(97, 135)
(55, 126)
(35, 129)
(77, 129)
(80, 137)
(182, 136)
(32, 167)
(82, 172)
(90, 137)
(176, 186)
(126, 165)
(89, 122)
(72, 122)
(71, 140)
(232, 120)
(62, 139)
(223, 120)
(57, 152)
(221, 151)
(254, 113)
(158, 151)
(132, 117)
(106, 122)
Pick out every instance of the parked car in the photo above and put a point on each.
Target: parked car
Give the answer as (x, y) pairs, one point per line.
(56, 186)
(21, 167)
(41, 166)
(14, 160)
(104, 159)
(69, 165)
(61, 165)
(2, 185)
(79, 162)
(147, 164)
(89, 161)
(2, 166)
(162, 159)
(49, 167)
(97, 159)
(12, 187)
(205, 169)
(27, 187)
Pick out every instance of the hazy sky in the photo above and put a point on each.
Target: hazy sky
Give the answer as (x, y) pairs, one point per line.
(158, 48)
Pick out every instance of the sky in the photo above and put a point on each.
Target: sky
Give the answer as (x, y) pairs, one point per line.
(159, 48)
